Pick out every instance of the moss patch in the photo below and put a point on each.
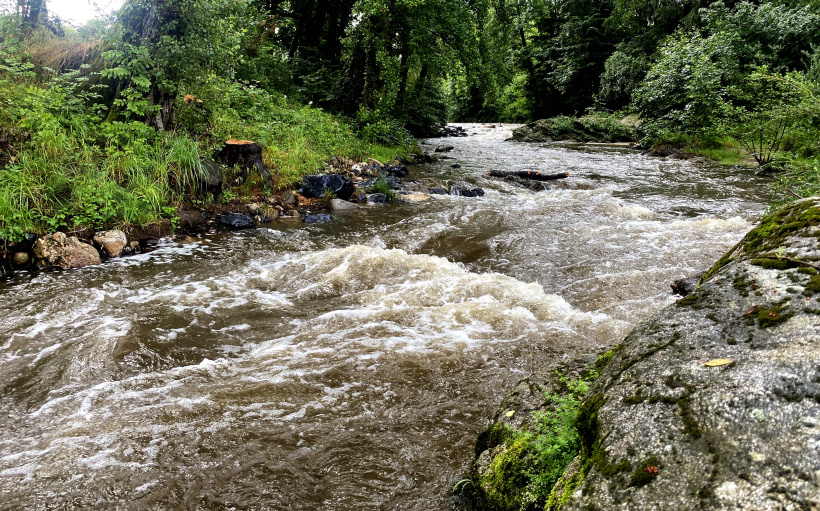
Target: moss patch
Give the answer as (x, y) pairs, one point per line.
(604, 359)
(491, 437)
(504, 482)
(773, 315)
(769, 263)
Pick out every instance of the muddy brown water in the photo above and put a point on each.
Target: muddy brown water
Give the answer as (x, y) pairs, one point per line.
(347, 365)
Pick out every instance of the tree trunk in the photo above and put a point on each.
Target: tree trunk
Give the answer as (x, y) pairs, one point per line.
(247, 155)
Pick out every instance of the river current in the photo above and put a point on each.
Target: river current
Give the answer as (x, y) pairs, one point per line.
(347, 365)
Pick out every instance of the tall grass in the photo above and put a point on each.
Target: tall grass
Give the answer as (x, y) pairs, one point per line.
(72, 169)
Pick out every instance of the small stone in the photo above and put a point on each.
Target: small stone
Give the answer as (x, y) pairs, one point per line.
(455, 166)
(21, 259)
(340, 205)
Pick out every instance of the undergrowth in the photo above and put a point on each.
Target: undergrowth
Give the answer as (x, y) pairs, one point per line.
(66, 164)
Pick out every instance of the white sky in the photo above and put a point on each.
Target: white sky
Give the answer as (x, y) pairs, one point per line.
(80, 11)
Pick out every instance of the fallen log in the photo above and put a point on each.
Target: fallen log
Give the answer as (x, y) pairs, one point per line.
(529, 174)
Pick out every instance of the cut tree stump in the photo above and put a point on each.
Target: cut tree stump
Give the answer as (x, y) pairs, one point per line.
(529, 174)
(247, 155)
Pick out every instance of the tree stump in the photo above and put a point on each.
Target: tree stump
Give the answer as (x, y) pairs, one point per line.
(246, 155)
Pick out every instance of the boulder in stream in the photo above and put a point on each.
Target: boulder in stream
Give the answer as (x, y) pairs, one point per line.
(112, 243)
(59, 250)
(318, 185)
(236, 221)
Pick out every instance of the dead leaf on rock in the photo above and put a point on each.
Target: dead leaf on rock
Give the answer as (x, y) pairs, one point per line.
(750, 310)
(718, 362)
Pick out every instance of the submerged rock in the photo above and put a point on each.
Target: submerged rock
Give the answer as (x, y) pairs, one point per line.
(713, 403)
(444, 148)
(317, 186)
(318, 218)
(236, 221)
(112, 243)
(465, 189)
(438, 190)
(59, 250)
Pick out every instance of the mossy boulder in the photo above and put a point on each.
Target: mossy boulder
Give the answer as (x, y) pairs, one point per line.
(580, 129)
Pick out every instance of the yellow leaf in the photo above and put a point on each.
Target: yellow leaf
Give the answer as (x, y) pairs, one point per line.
(718, 362)
(510, 413)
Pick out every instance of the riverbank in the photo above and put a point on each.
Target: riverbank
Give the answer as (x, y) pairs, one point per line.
(707, 404)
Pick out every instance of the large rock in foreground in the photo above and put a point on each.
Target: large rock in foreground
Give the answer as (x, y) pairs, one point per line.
(64, 252)
(714, 403)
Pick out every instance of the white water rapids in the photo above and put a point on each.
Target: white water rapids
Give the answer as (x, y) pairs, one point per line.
(347, 365)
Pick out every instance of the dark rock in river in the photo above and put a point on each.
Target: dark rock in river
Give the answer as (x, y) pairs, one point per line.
(685, 287)
(455, 166)
(236, 221)
(192, 221)
(397, 170)
(444, 148)
(377, 198)
(316, 186)
(465, 189)
(318, 218)
(438, 190)
(714, 402)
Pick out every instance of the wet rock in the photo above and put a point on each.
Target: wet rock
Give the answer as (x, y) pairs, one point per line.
(192, 221)
(236, 221)
(465, 189)
(317, 186)
(210, 180)
(340, 205)
(112, 243)
(452, 131)
(444, 148)
(416, 197)
(430, 158)
(712, 403)
(438, 190)
(21, 259)
(455, 166)
(582, 129)
(397, 170)
(685, 287)
(59, 250)
(318, 218)
(377, 198)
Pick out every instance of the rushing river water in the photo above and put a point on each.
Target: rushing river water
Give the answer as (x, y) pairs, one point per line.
(347, 365)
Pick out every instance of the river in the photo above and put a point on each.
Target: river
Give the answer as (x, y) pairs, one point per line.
(347, 365)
